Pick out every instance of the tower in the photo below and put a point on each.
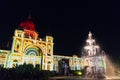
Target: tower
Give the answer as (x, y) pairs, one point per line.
(28, 48)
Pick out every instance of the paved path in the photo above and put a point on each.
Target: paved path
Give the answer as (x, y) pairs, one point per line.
(65, 77)
(72, 78)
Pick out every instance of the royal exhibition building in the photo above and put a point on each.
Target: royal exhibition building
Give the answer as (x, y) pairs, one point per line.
(28, 48)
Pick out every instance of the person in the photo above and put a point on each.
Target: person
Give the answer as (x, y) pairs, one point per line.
(65, 69)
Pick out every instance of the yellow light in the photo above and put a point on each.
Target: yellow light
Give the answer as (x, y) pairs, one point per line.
(79, 73)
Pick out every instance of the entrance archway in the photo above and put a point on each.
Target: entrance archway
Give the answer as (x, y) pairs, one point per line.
(33, 55)
(63, 67)
(15, 63)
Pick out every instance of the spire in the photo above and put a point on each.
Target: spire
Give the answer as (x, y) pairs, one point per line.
(90, 35)
(29, 16)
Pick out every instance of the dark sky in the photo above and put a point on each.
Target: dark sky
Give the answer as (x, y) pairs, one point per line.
(68, 21)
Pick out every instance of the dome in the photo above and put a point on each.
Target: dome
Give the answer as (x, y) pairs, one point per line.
(28, 24)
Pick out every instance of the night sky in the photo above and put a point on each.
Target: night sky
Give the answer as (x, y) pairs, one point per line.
(68, 21)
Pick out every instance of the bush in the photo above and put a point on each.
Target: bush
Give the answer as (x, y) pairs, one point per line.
(25, 71)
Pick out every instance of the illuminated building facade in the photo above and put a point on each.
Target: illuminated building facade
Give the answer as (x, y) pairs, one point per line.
(29, 49)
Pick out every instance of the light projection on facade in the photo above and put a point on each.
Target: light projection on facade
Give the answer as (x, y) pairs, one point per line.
(28, 48)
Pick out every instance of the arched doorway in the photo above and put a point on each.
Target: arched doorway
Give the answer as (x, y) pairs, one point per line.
(15, 63)
(33, 55)
(32, 58)
(63, 67)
